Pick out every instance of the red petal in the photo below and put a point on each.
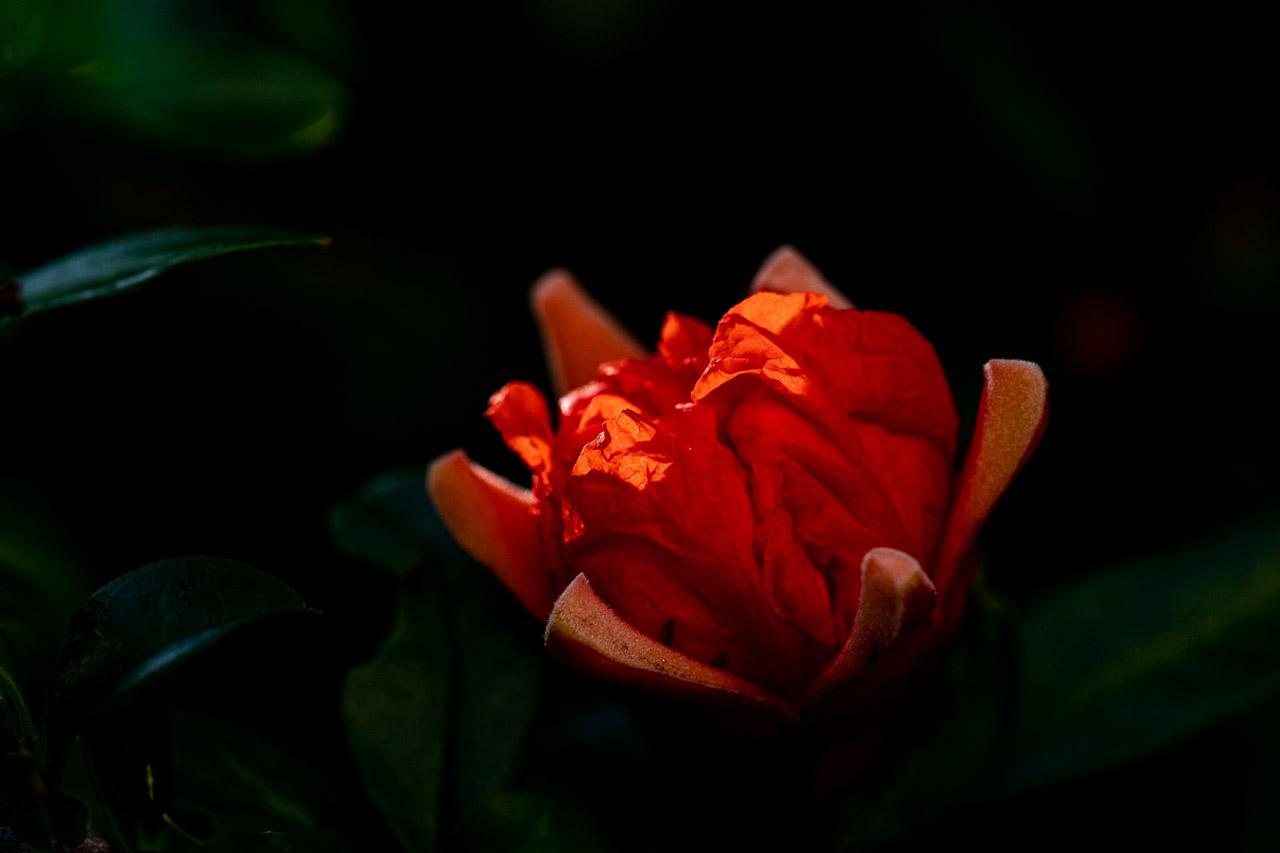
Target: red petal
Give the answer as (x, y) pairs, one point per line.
(519, 412)
(684, 339)
(788, 271)
(795, 587)
(579, 335)
(867, 366)
(1011, 418)
(494, 521)
(845, 492)
(647, 586)
(895, 592)
(584, 633)
(675, 485)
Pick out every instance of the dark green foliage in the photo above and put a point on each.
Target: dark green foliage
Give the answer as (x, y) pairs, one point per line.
(146, 622)
(1134, 658)
(129, 261)
(454, 663)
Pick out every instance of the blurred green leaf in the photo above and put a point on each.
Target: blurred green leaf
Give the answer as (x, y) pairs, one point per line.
(51, 822)
(396, 709)
(21, 613)
(529, 821)
(1134, 658)
(154, 618)
(495, 665)
(224, 97)
(175, 780)
(41, 586)
(125, 262)
(23, 25)
(387, 523)
(498, 670)
(322, 28)
(254, 794)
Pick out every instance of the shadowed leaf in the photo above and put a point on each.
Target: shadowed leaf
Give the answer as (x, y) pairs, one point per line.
(396, 710)
(125, 262)
(1134, 658)
(143, 623)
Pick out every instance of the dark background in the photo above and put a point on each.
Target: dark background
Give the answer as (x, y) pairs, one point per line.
(1092, 190)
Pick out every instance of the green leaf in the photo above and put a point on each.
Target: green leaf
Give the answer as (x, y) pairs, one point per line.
(16, 718)
(170, 779)
(116, 265)
(499, 672)
(496, 663)
(142, 624)
(388, 522)
(1135, 658)
(23, 25)
(396, 709)
(542, 821)
(254, 793)
(41, 586)
(220, 96)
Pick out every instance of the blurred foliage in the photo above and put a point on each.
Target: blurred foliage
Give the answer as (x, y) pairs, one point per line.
(178, 74)
(1134, 658)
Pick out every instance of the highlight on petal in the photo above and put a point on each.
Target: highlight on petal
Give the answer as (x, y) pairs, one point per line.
(788, 271)
(1011, 419)
(584, 633)
(493, 520)
(579, 334)
(519, 412)
(895, 593)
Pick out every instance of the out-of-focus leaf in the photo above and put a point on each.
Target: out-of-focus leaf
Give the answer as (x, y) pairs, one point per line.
(41, 585)
(125, 262)
(17, 639)
(499, 675)
(153, 618)
(176, 780)
(495, 663)
(387, 523)
(396, 709)
(321, 27)
(541, 821)
(218, 96)
(23, 25)
(1135, 658)
(56, 822)
(953, 756)
(253, 793)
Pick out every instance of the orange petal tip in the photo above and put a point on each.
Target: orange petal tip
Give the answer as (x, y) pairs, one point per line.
(492, 519)
(578, 333)
(788, 271)
(895, 593)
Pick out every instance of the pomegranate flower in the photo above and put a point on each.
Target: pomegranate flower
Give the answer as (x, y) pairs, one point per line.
(763, 513)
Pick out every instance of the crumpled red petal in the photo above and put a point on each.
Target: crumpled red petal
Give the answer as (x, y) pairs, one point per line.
(895, 593)
(585, 634)
(493, 520)
(1011, 419)
(519, 412)
(676, 485)
(579, 335)
(788, 271)
(867, 366)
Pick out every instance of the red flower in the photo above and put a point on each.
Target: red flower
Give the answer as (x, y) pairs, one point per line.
(763, 512)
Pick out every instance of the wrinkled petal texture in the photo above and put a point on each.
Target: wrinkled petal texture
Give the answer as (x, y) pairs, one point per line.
(721, 496)
(846, 421)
